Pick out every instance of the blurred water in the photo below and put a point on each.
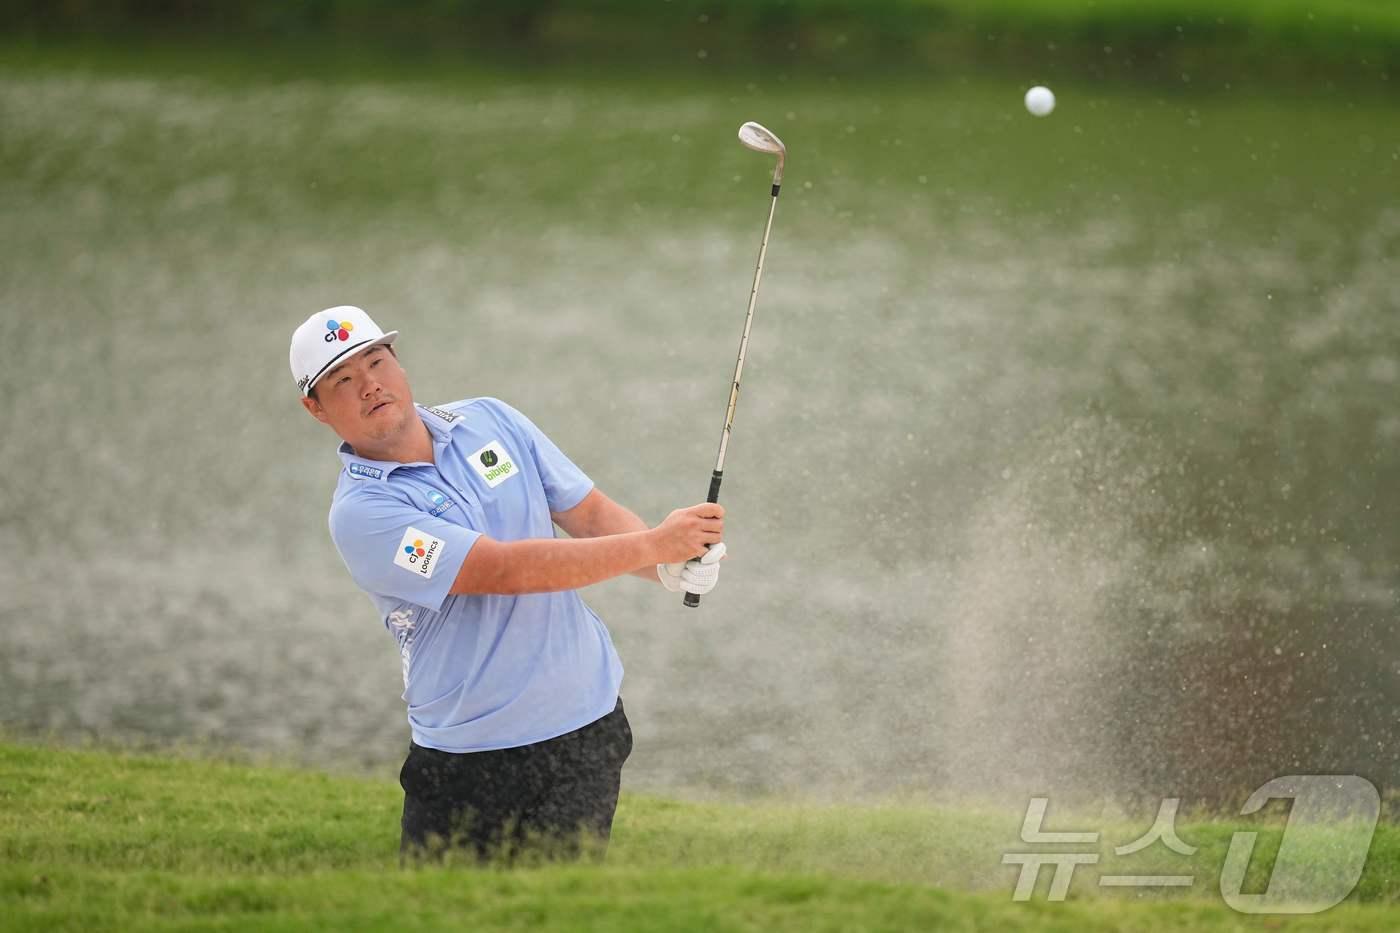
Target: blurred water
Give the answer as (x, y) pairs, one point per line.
(1065, 457)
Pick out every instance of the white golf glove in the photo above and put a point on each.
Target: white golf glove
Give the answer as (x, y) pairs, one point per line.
(697, 575)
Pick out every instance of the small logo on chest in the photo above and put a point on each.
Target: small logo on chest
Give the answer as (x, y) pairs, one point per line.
(493, 464)
(439, 502)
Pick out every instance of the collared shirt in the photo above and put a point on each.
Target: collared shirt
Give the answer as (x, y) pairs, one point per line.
(480, 672)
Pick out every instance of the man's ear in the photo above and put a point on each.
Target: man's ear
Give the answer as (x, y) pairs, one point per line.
(314, 407)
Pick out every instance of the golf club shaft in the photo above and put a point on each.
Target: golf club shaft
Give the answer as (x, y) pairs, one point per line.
(717, 477)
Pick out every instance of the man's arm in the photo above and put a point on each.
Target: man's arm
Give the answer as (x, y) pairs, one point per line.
(597, 516)
(546, 565)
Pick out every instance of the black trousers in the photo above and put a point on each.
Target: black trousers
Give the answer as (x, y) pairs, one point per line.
(555, 798)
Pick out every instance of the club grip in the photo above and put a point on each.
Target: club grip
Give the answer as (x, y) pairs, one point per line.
(691, 599)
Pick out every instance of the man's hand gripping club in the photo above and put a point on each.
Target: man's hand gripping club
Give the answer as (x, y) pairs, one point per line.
(684, 572)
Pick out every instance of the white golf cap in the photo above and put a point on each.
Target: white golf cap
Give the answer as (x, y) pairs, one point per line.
(329, 338)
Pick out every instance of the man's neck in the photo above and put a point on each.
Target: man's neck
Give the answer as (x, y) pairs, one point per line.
(414, 445)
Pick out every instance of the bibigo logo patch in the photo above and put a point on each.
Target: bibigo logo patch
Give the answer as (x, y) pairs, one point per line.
(493, 464)
(418, 553)
(338, 330)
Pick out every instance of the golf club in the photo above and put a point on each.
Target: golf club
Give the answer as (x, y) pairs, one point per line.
(759, 138)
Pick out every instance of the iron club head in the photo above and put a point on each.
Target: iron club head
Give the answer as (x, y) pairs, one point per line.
(759, 138)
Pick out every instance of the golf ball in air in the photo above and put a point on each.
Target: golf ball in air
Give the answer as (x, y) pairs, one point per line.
(1040, 101)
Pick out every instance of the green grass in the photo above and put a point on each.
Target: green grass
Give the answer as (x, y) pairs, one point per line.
(1377, 15)
(1143, 38)
(113, 840)
(1299, 21)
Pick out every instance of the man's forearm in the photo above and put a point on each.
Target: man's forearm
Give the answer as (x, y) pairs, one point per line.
(610, 518)
(620, 520)
(546, 565)
(601, 517)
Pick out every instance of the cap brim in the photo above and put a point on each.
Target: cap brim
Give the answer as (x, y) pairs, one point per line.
(348, 352)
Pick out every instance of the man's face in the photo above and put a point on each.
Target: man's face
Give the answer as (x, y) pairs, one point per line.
(366, 399)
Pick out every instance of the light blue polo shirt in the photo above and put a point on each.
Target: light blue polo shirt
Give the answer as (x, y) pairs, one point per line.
(479, 672)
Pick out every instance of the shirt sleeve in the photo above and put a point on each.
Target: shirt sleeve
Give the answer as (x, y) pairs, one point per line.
(565, 484)
(395, 550)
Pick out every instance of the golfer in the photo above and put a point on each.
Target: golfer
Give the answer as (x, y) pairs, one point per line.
(445, 516)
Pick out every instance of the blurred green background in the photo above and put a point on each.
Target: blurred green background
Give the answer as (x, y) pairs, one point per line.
(1067, 455)
(1250, 39)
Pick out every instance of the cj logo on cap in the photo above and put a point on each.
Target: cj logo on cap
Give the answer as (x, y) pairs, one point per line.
(338, 330)
(418, 553)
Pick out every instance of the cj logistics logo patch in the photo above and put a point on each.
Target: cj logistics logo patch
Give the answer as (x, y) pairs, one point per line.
(418, 553)
(493, 464)
(338, 330)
